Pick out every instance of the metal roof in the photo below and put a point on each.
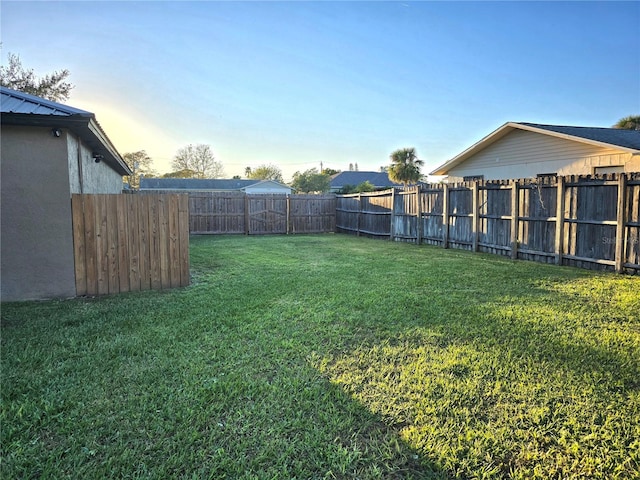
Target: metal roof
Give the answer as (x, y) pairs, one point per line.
(19, 108)
(12, 101)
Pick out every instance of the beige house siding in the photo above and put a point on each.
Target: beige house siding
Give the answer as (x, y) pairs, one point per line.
(96, 177)
(522, 154)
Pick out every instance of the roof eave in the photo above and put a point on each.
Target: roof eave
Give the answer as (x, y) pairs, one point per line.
(507, 128)
(473, 149)
(84, 125)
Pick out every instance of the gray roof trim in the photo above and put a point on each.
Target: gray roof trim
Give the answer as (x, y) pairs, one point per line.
(626, 140)
(18, 108)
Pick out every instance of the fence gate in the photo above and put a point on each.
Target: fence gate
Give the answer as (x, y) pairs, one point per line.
(266, 214)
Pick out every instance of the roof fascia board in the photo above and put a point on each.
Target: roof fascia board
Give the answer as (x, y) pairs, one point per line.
(476, 147)
(97, 131)
(507, 128)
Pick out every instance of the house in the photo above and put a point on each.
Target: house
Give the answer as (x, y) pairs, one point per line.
(379, 180)
(48, 151)
(251, 187)
(528, 150)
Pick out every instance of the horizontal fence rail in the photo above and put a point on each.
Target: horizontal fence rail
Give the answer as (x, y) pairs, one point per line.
(582, 221)
(260, 214)
(128, 243)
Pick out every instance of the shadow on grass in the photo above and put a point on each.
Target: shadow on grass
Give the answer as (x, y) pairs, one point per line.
(128, 387)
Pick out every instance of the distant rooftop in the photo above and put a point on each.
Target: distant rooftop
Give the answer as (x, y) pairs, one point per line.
(378, 179)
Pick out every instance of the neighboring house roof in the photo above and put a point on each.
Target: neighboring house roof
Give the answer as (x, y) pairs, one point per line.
(18, 108)
(377, 179)
(625, 140)
(207, 184)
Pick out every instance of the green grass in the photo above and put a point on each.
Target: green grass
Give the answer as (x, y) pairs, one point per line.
(330, 357)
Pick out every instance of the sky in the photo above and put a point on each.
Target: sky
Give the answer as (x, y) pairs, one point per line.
(298, 84)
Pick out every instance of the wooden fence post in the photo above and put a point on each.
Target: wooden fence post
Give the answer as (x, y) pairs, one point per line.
(620, 223)
(419, 216)
(288, 214)
(514, 220)
(247, 217)
(476, 213)
(359, 213)
(445, 216)
(392, 220)
(559, 220)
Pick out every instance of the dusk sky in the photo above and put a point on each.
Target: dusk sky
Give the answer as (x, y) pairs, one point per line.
(298, 83)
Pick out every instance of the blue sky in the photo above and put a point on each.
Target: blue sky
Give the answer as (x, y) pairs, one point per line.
(298, 83)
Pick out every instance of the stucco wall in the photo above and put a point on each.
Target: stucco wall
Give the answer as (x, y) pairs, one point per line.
(37, 243)
(523, 154)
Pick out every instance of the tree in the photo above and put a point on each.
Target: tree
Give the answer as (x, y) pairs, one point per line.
(632, 122)
(199, 159)
(311, 181)
(141, 165)
(365, 186)
(266, 172)
(330, 171)
(247, 171)
(52, 86)
(186, 173)
(405, 166)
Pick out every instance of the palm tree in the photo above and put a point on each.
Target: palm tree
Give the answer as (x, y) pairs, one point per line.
(405, 166)
(631, 122)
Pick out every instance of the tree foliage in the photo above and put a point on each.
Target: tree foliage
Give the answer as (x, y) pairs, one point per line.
(265, 172)
(405, 166)
(199, 159)
(186, 173)
(140, 164)
(632, 122)
(330, 171)
(311, 181)
(363, 187)
(52, 87)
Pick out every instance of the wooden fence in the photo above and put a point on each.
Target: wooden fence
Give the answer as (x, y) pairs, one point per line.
(237, 212)
(130, 242)
(587, 222)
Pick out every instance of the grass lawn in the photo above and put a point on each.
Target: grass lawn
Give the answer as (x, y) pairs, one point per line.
(330, 357)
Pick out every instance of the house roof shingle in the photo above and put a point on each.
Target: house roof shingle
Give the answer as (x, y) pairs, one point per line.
(627, 140)
(612, 136)
(378, 179)
(193, 184)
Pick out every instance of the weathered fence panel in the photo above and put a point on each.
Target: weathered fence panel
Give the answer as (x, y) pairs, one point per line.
(366, 214)
(583, 221)
(128, 243)
(221, 213)
(311, 214)
(267, 214)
